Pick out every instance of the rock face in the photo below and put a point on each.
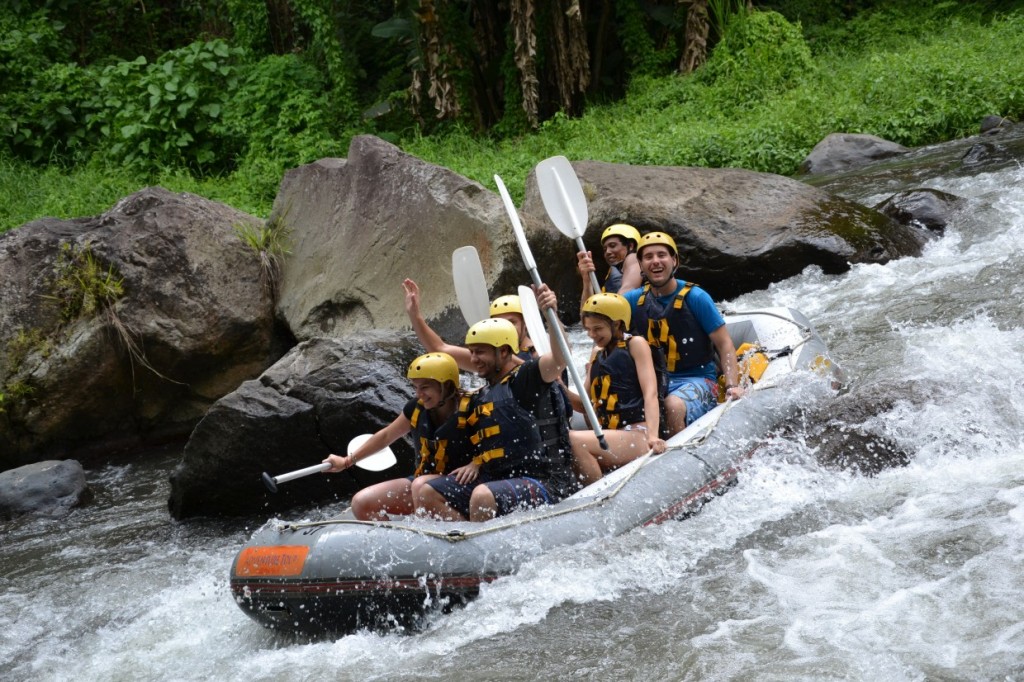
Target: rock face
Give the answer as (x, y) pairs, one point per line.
(840, 152)
(181, 318)
(361, 225)
(737, 230)
(49, 488)
(316, 398)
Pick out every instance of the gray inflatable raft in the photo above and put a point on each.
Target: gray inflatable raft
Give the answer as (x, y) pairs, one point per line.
(335, 576)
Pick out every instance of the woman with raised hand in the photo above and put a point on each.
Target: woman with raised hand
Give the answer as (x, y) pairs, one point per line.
(623, 389)
(618, 243)
(441, 442)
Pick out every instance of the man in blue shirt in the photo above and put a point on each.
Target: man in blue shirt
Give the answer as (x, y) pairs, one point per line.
(681, 320)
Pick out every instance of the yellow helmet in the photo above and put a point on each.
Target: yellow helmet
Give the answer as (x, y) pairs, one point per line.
(610, 305)
(627, 232)
(440, 367)
(506, 304)
(652, 238)
(494, 331)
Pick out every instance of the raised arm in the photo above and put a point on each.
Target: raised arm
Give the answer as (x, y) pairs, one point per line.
(430, 339)
(551, 364)
(632, 278)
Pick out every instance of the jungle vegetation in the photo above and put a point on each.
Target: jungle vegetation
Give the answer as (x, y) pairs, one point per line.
(221, 97)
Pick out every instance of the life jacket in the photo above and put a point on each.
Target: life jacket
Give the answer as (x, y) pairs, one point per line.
(558, 389)
(615, 389)
(752, 361)
(675, 331)
(441, 448)
(613, 280)
(509, 439)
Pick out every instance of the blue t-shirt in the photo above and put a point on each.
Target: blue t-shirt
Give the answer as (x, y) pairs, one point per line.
(703, 308)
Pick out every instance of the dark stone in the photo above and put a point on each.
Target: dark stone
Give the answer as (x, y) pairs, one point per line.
(49, 488)
(840, 152)
(928, 209)
(314, 400)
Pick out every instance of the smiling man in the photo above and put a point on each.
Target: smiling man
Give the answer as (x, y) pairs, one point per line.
(680, 320)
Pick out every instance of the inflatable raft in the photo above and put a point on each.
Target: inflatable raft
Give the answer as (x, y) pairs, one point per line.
(338, 575)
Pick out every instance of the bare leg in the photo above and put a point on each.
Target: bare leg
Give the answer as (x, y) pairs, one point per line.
(417, 485)
(623, 447)
(584, 464)
(383, 500)
(434, 504)
(482, 505)
(676, 413)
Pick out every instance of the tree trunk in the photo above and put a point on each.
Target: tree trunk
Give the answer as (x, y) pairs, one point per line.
(524, 36)
(571, 55)
(436, 57)
(695, 49)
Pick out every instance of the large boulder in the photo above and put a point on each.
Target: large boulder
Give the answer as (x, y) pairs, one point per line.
(314, 400)
(925, 208)
(122, 329)
(840, 152)
(737, 230)
(49, 488)
(360, 225)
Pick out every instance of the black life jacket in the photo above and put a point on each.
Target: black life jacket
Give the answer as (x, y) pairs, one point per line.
(675, 331)
(613, 280)
(615, 389)
(513, 442)
(441, 448)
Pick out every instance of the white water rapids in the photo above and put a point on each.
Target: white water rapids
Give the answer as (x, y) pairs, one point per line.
(800, 572)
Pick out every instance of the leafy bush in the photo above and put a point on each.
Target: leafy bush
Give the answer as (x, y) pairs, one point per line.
(168, 113)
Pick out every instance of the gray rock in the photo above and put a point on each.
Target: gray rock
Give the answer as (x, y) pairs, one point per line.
(314, 400)
(840, 152)
(737, 230)
(49, 488)
(928, 209)
(194, 321)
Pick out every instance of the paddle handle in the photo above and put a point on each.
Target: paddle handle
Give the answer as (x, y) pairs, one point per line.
(299, 473)
(595, 285)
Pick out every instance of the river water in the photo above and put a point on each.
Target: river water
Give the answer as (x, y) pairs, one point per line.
(800, 572)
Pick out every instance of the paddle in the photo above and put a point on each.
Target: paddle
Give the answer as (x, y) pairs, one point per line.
(531, 265)
(564, 201)
(470, 285)
(378, 461)
(534, 322)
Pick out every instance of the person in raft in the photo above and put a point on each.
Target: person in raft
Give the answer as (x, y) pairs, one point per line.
(623, 390)
(554, 428)
(513, 468)
(680, 320)
(619, 243)
(442, 443)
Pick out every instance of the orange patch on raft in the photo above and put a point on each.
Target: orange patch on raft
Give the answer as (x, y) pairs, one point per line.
(280, 560)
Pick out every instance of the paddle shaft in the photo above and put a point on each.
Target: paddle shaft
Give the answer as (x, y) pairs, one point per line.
(299, 473)
(553, 324)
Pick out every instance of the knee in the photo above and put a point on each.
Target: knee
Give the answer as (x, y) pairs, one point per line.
(482, 505)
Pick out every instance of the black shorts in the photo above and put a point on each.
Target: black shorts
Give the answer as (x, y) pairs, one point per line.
(510, 494)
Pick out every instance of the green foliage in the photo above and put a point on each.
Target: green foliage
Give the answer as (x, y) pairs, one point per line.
(639, 42)
(168, 113)
(81, 286)
(761, 56)
(269, 241)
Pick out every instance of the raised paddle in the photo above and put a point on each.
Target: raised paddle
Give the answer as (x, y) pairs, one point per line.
(470, 285)
(531, 265)
(378, 461)
(564, 201)
(534, 322)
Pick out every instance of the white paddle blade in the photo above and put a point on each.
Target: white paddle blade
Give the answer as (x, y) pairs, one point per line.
(470, 285)
(378, 461)
(517, 227)
(534, 322)
(563, 197)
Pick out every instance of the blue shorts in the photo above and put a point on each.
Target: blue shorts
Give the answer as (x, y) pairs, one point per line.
(699, 394)
(510, 494)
